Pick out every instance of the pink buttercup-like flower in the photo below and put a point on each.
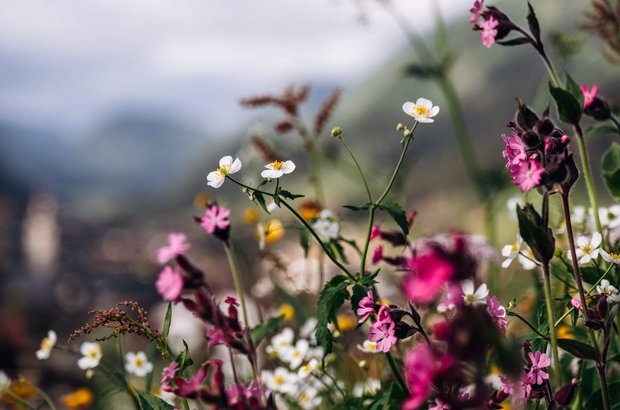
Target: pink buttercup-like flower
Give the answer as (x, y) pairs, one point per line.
(170, 284)
(215, 217)
(588, 94)
(515, 150)
(489, 31)
(428, 273)
(539, 361)
(475, 11)
(366, 307)
(497, 313)
(527, 174)
(177, 245)
(216, 336)
(382, 331)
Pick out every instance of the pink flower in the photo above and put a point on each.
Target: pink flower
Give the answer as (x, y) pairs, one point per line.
(420, 369)
(167, 374)
(576, 303)
(527, 174)
(189, 388)
(177, 245)
(366, 307)
(565, 139)
(382, 331)
(439, 405)
(497, 313)
(216, 336)
(488, 32)
(215, 217)
(539, 361)
(476, 10)
(515, 150)
(170, 284)
(588, 95)
(507, 385)
(428, 273)
(375, 232)
(377, 255)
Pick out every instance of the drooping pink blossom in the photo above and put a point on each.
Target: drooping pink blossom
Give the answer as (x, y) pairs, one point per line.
(489, 31)
(588, 94)
(167, 375)
(375, 232)
(427, 274)
(507, 385)
(383, 331)
(420, 368)
(216, 336)
(189, 387)
(439, 405)
(366, 307)
(515, 150)
(377, 255)
(497, 313)
(170, 284)
(540, 361)
(177, 245)
(476, 10)
(527, 174)
(215, 217)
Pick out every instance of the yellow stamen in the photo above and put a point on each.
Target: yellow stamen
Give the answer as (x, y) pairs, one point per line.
(279, 380)
(421, 111)
(46, 344)
(277, 164)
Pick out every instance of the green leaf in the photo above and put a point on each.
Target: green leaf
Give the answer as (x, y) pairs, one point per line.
(362, 207)
(183, 359)
(276, 200)
(304, 240)
(423, 71)
(568, 106)
(331, 298)
(573, 88)
(272, 325)
(338, 251)
(532, 21)
(514, 42)
(259, 199)
(286, 194)
(611, 170)
(149, 402)
(579, 349)
(598, 130)
(595, 401)
(539, 239)
(167, 321)
(397, 213)
(359, 292)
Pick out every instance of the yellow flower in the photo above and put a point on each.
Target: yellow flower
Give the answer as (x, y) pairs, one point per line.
(250, 216)
(346, 323)
(310, 210)
(269, 232)
(565, 332)
(288, 311)
(80, 399)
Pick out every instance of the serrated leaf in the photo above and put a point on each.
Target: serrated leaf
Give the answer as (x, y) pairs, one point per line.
(260, 200)
(532, 21)
(579, 349)
(331, 298)
(514, 42)
(304, 241)
(539, 239)
(569, 108)
(276, 200)
(611, 170)
(397, 213)
(272, 325)
(149, 402)
(362, 207)
(337, 251)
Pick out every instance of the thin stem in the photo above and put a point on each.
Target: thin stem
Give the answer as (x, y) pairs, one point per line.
(550, 315)
(398, 165)
(528, 324)
(357, 166)
(604, 390)
(18, 399)
(616, 122)
(396, 372)
(48, 400)
(371, 220)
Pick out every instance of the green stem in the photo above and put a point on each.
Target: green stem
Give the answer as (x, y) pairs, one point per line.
(396, 372)
(528, 324)
(357, 166)
(604, 390)
(551, 316)
(48, 400)
(18, 399)
(371, 220)
(185, 404)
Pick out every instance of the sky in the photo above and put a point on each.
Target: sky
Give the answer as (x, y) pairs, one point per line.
(70, 65)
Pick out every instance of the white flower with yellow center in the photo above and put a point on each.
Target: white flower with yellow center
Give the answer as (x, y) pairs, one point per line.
(607, 289)
(611, 257)
(227, 167)
(326, 226)
(368, 347)
(280, 341)
(477, 297)
(511, 251)
(369, 388)
(278, 168)
(294, 355)
(47, 344)
(91, 355)
(308, 368)
(309, 398)
(307, 330)
(588, 248)
(138, 364)
(280, 380)
(422, 111)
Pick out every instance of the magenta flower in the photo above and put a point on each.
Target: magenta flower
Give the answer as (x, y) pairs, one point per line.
(427, 275)
(527, 174)
(438, 405)
(497, 313)
(382, 331)
(515, 150)
(420, 368)
(216, 336)
(377, 255)
(177, 245)
(476, 10)
(189, 388)
(215, 217)
(366, 307)
(507, 385)
(375, 232)
(170, 284)
(575, 303)
(167, 375)
(489, 31)
(588, 95)
(539, 361)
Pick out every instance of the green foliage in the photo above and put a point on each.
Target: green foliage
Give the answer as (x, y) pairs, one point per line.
(579, 349)
(331, 298)
(539, 238)
(149, 402)
(599, 130)
(397, 213)
(595, 400)
(362, 207)
(259, 199)
(573, 88)
(611, 170)
(286, 194)
(304, 240)
(272, 325)
(569, 108)
(183, 359)
(532, 22)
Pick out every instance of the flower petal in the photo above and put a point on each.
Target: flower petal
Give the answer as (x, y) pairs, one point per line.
(434, 111)
(236, 166)
(596, 240)
(424, 120)
(408, 107)
(288, 167)
(425, 103)
(215, 179)
(227, 160)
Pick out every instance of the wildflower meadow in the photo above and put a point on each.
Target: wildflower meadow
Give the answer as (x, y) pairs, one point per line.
(304, 299)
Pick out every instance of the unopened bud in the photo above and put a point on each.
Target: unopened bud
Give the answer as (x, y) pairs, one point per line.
(407, 133)
(336, 132)
(363, 364)
(400, 127)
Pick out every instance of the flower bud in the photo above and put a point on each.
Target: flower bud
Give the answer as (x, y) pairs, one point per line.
(598, 109)
(400, 127)
(544, 126)
(564, 395)
(407, 133)
(363, 364)
(531, 139)
(336, 132)
(525, 118)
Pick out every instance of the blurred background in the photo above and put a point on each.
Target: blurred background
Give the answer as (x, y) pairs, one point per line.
(112, 113)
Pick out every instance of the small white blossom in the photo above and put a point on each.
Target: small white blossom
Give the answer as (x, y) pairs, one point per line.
(309, 398)
(510, 252)
(588, 248)
(91, 355)
(578, 216)
(294, 355)
(326, 226)
(280, 380)
(526, 259)
(368, 347)
(611, 257)
(308, 368)
(613, 216)
(280, 341)
(422, 111)
(138, 364)
(477, 297)
(227, 166)
(307, 330)
(278, 168)
(47, 344)
(5, 382)
(511, 204)
(369, 388)
(606, 288)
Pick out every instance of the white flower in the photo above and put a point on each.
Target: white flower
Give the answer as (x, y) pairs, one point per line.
(606, 288)
(167, 396)
(578, 216)
(227, 166)
(138, 364)
(91, 355)
(280, 341)
(511, 204)
(610, 257)
(280, 380)
(307, 330)
(526, 259)
(477, 297)
(587, 249)
(368, 347)
(613, 216)
(423, 110)
(278, 168)
(5, 382)
(309, 398)
(47, 344)
(369, 388)
(308, 368)
(326, 226)
(510, 252)
(294, 355)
